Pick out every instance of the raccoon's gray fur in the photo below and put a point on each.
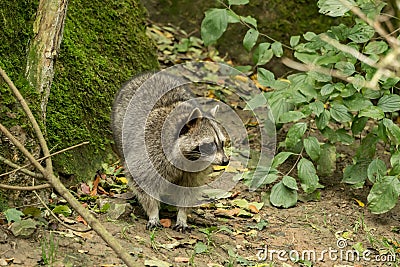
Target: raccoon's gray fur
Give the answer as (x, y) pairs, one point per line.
(193, 133)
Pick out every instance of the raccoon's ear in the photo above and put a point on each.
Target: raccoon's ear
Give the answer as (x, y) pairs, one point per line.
(194, 116)
(191, 121)
(214, 111)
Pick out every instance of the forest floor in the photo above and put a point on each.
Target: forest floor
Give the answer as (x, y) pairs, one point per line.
(243, 229)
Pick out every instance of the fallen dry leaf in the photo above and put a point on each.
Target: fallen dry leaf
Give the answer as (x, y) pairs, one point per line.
(228, 213)
(181, 259)
(253, 209)
(166, 223)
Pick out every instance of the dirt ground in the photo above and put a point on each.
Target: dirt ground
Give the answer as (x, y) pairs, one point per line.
(335, 224)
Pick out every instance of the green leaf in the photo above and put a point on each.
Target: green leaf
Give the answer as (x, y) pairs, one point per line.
(200, 247)
(334, 8)
(305, 57)
(357, 102)
(393, 131)
(395, 163)
(282, 196)
(373, 112)
(294, 40)
(389, 103)
(344, 137)
(357, 173)
(13, 215)
(278, 103)
(277, 49)
(366, 151)
(250, 20)
(384, 194)
(358, 125)
(309, 36)
(291, 116)
(257, 101)
(290, 182)
(311, 145)
(280, 158)
(346, 68)
(265, 77)
(317, 107)
(327, 160)
(262, 54)
(62, 209)
(340, 113)
(361, 33)
(238, 2)
(308, 176)
(250, 39)
(295, 133)
(327, 89)
(24, 228)
(376, 48)
(376, 170)
(323, 119)
(232, 16)
(213, 25)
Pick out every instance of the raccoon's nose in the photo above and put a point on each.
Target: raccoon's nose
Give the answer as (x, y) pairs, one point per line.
(225, 161)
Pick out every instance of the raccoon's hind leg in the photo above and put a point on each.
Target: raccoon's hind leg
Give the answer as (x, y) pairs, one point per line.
(181, 220)
(151, 206)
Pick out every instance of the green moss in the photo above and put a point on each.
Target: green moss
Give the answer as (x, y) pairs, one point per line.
(104, 45)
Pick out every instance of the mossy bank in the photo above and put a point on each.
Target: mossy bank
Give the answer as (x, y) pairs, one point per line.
(104, 44)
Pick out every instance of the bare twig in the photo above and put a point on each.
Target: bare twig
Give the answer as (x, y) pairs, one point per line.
(19, 168)
(31, 118)
(25, 188)
(312, 67)
(42, 158)
(348, 50)
(58, 219)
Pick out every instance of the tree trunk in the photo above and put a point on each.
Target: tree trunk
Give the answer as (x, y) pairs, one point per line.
(44, 48)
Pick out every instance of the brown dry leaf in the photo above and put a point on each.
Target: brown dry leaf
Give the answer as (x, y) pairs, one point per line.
(235, 194)
(166, 223)
(81, 220)
(85, 188)
(95, 185)
(228, 213)
(181, 259)
(253, 209)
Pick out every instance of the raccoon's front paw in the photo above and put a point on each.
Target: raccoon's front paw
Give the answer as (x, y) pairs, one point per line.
(152, 224)
(182, 227)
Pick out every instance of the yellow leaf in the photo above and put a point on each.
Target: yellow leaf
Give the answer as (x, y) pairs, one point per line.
(121, 180)
(360, 203)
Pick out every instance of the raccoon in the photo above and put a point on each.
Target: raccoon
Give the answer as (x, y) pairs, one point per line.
(181, 141)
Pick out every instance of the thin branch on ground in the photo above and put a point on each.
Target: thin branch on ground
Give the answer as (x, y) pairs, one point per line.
(19, 168)
(58, 219)
(28, 112)
(40, 159)
(25, 188)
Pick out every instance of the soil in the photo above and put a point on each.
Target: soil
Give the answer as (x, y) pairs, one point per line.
(309, 227)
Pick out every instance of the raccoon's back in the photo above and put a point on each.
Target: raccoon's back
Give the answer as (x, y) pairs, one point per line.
(157, 83)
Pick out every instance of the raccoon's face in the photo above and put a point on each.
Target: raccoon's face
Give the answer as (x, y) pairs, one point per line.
(202, 140)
